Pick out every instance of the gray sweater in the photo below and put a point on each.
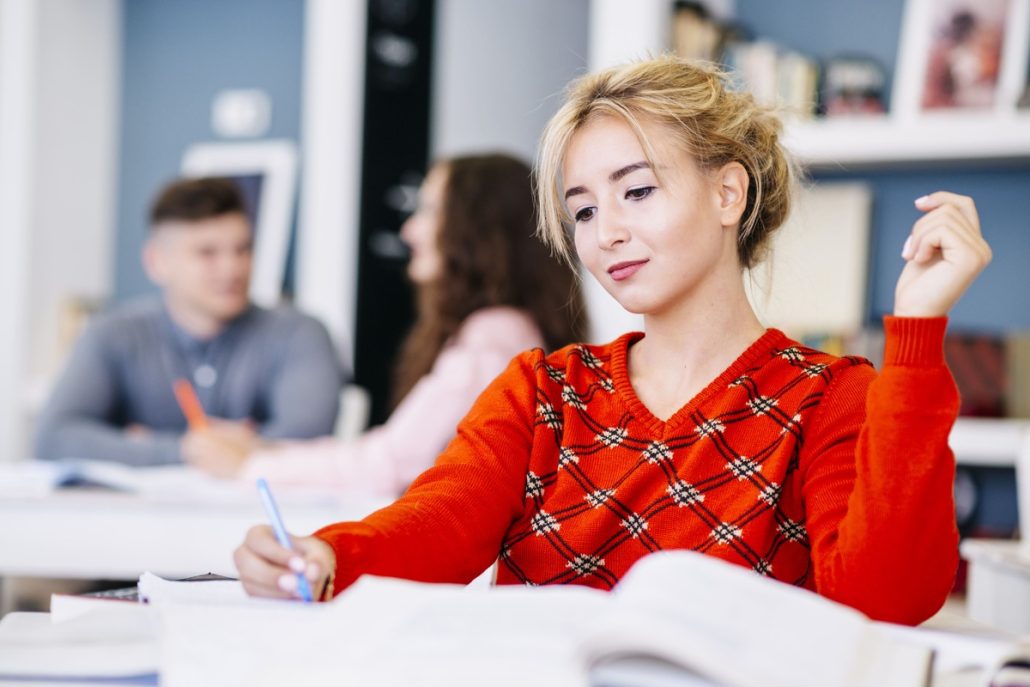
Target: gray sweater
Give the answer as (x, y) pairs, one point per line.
(275, 367)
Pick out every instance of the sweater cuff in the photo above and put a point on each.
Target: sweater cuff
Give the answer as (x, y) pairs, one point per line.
(353, 544)
(914, 341)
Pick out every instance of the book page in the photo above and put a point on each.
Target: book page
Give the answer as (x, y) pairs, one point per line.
(157, 590)
(713, 623)
(387, 632)
(739, 628)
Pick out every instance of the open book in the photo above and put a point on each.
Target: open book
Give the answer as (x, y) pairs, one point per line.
(677, 618)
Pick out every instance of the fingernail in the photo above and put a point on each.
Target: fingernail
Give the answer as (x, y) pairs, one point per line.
(905, 249)
(297, 564)
(287, 583)
(922, 199)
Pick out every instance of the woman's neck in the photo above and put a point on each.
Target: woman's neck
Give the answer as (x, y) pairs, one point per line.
(688, 346)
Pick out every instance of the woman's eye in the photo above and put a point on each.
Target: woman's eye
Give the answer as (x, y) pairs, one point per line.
(584, 214)
(640, 192)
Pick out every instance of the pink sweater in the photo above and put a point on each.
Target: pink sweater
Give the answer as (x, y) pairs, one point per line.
(384, 460)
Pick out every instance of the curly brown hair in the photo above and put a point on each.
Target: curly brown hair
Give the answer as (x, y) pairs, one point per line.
(490, 258)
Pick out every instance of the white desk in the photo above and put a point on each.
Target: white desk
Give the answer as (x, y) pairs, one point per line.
(101, 534)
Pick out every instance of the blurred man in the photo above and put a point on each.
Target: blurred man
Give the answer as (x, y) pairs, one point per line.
(259, 374)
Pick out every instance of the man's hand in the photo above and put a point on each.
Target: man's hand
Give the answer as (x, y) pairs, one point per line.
(221, 447)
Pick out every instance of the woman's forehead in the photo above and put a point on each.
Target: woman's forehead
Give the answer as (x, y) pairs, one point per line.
(612, 141)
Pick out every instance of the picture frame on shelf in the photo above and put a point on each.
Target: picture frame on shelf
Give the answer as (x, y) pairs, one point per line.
(266, 174)
(961, 58)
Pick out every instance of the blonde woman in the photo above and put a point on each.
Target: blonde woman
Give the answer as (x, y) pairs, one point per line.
(706, 431)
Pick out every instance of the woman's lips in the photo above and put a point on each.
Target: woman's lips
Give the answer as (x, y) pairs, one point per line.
(625, 270)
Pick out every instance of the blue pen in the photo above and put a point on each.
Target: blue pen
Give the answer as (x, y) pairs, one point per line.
(280, 533)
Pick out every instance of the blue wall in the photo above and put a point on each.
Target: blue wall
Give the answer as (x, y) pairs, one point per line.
(177, 54)
(996, 302)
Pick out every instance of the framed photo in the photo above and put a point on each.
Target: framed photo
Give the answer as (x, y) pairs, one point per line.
(266, 172)
(961, 57)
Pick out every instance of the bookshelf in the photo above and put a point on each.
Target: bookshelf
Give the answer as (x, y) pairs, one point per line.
(884, 142)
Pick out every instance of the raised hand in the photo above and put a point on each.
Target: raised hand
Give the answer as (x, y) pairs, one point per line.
(944, 254)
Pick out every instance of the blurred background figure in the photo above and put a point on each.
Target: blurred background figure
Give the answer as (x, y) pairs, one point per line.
(256, 372)
(486, 290)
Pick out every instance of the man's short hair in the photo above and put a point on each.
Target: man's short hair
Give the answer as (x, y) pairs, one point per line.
(191, 200)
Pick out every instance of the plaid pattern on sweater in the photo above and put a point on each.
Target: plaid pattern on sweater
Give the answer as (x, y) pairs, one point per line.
(792, 462)
(717, 477)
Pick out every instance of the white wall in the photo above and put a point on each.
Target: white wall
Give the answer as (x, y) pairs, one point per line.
(78, 96)
(499, 70)
(59, 99)
(330, 192)
(17, 48)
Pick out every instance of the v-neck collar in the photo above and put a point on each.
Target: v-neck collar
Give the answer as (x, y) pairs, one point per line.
(624, 388)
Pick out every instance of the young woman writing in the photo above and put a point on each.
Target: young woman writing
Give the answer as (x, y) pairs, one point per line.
(707, 431)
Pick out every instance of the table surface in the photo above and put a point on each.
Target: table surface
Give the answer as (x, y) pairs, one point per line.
(93, 534)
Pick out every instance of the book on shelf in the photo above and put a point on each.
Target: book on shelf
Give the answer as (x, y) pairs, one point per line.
(1017, 363)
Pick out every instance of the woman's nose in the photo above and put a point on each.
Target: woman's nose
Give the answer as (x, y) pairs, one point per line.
(611, 228)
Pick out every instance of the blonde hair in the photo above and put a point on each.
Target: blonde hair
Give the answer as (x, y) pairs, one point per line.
(715, 124)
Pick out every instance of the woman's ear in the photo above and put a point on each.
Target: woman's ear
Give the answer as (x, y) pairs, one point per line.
(732, 183)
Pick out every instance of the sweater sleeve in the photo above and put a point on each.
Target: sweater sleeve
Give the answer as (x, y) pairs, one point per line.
(449, 525)
(878, 475)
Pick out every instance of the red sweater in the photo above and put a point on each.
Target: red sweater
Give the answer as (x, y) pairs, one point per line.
(797, 464)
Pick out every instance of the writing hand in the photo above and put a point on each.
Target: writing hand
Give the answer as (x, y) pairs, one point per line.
(269, 569)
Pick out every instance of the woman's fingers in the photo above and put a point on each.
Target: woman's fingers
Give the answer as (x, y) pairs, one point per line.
(964, 204)
(951, 227)
(262, 561)
(268, 569)
(943, 216)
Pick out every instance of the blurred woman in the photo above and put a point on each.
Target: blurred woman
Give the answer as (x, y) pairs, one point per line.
(487, 289)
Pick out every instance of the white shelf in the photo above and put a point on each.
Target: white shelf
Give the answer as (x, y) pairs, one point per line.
(995, 442)
(883, 141)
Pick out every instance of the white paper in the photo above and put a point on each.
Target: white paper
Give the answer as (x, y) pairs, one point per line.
(93, 645)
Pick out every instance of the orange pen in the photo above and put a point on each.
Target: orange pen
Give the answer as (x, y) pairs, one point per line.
(189, 403)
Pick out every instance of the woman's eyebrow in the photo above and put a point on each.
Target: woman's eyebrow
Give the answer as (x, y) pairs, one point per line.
(623, 171)
(613, 177)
